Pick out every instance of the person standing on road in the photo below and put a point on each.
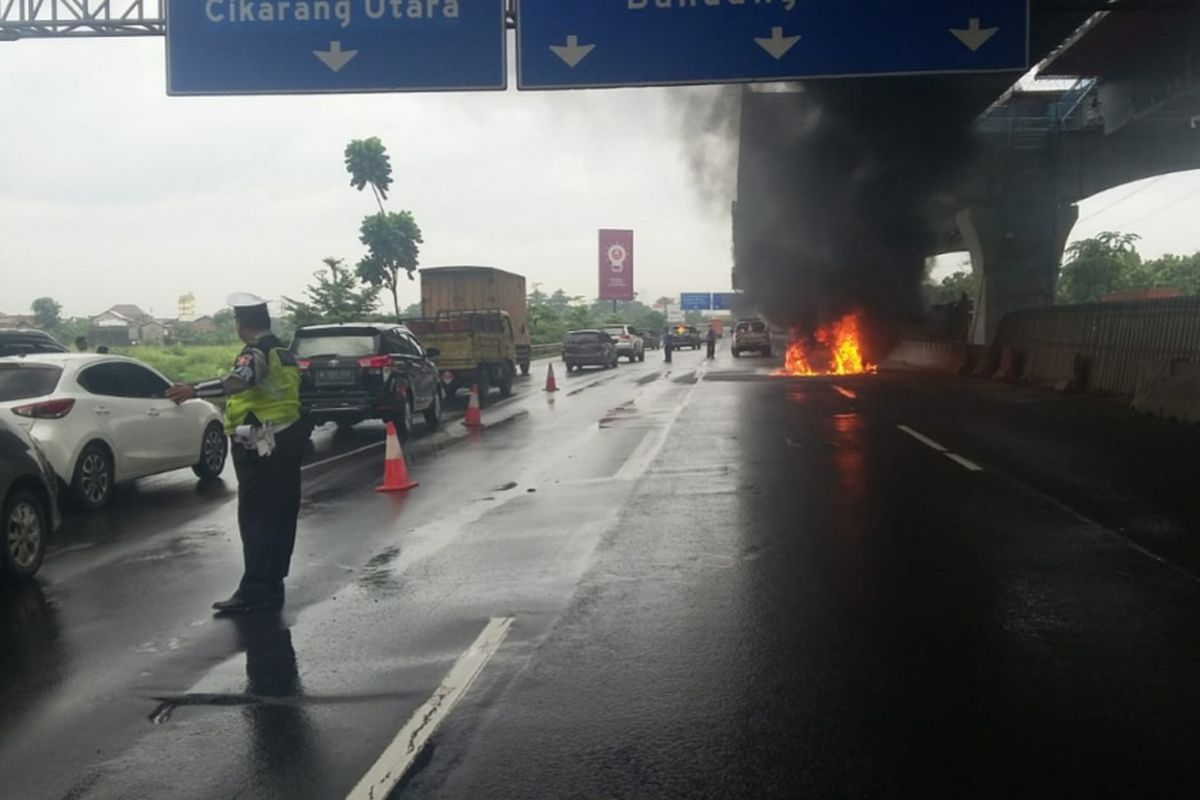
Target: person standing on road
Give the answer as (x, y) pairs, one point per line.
(668, 343)
(712, 342)
(262, 416)
(81, 344)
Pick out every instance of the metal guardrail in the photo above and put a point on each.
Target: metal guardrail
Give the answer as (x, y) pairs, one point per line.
(545, 350)
(1119, 343)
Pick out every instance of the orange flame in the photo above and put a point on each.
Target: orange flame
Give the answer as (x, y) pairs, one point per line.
(842, 340)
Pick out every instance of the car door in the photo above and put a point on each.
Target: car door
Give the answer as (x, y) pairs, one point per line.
(424, 373)
(173, 432)
(119, 419)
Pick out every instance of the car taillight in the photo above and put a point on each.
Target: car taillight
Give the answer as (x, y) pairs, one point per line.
(47, 409)
(304, 364)
(375, 362)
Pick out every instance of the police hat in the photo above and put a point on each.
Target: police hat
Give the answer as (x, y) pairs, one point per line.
(250, 309)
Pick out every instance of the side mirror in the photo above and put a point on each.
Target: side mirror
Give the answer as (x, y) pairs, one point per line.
(432, 353)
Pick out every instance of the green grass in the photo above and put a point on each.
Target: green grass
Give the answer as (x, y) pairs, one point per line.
(186, 363)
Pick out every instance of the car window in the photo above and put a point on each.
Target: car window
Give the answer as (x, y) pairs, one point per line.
(24, 382)
(347, 345)
(101, 379)
(135, 381)
(758, 327)
(407, 346)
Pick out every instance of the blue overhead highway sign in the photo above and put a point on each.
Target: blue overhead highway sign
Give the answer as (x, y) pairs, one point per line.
(695, 301)
(723, 301)
(315, 46)
(599, 43)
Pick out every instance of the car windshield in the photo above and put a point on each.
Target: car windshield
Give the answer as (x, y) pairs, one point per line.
(336, 344)
(584, 338)
(25, 382)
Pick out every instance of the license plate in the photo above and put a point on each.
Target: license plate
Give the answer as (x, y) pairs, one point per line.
(336, 375)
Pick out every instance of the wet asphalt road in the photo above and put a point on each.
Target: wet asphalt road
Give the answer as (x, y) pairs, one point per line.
(719, 585)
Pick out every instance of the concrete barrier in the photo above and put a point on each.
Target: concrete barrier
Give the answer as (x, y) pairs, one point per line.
(925, 355)
(1169, 389)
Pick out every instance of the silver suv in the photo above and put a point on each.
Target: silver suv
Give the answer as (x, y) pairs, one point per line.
(751, 335)
(629, 343)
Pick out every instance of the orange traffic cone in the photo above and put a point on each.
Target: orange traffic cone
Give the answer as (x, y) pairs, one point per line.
(551, 384)
(473, 419)
(395, 471)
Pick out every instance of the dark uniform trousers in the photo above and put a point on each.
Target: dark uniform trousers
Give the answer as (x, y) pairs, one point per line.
(268, 506)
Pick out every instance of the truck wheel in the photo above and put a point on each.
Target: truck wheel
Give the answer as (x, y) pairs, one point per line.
(524, 369)
(641, 356)
(506, 382)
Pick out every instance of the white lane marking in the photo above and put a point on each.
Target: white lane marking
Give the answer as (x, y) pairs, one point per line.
(343, 456)
(970, 465)
(846, 393)
(396, 760)
(639, 460)
(643, 456)
(925, 440)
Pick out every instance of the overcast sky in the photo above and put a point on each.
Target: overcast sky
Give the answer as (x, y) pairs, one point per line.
(110, 192)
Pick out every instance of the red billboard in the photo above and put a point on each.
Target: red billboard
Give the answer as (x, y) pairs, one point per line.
(616, 265)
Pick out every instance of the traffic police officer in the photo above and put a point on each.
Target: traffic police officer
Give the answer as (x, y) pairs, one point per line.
(262, 416)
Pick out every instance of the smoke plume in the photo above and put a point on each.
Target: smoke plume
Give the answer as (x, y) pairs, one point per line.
(838, 189)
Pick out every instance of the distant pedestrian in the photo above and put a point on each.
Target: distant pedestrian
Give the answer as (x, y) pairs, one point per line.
(668, 344)
(81, 344)
(712, 342)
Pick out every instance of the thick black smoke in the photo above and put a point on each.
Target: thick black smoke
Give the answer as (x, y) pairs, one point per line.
(841, 188)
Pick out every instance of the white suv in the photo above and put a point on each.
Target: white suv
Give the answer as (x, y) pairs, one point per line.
(629, 344)
(751, 335)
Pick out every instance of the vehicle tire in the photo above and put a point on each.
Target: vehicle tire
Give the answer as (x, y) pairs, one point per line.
(736, 353)
(484, 383)
(24, 528)
(214, 451)
(402, 418)
(641, 356)
(524, 370)
(345, 424)
(92, 486)
(506, 383)
(433, 414)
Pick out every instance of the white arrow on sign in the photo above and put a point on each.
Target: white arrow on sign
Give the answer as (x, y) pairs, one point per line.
(778, 45)
(573, 52)
(974, 36)
(335, 57)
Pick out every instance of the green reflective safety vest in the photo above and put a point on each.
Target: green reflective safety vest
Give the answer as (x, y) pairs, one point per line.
(276, 397)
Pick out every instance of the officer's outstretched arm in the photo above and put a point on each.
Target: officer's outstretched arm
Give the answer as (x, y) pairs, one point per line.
(250, 368)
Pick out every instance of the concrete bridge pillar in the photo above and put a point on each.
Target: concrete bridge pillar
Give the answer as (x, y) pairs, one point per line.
(1016, 248)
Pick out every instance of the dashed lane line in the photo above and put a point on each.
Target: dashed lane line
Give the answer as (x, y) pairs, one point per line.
(965, 463)
(971, 466)
(399, 756)
(925, 440)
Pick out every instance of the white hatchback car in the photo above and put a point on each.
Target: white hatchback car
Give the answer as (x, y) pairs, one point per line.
(103, 419)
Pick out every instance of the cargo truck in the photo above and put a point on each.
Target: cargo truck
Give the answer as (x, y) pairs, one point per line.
(475, 319)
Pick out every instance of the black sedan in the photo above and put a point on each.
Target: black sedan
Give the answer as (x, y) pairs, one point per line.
(30, 503)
